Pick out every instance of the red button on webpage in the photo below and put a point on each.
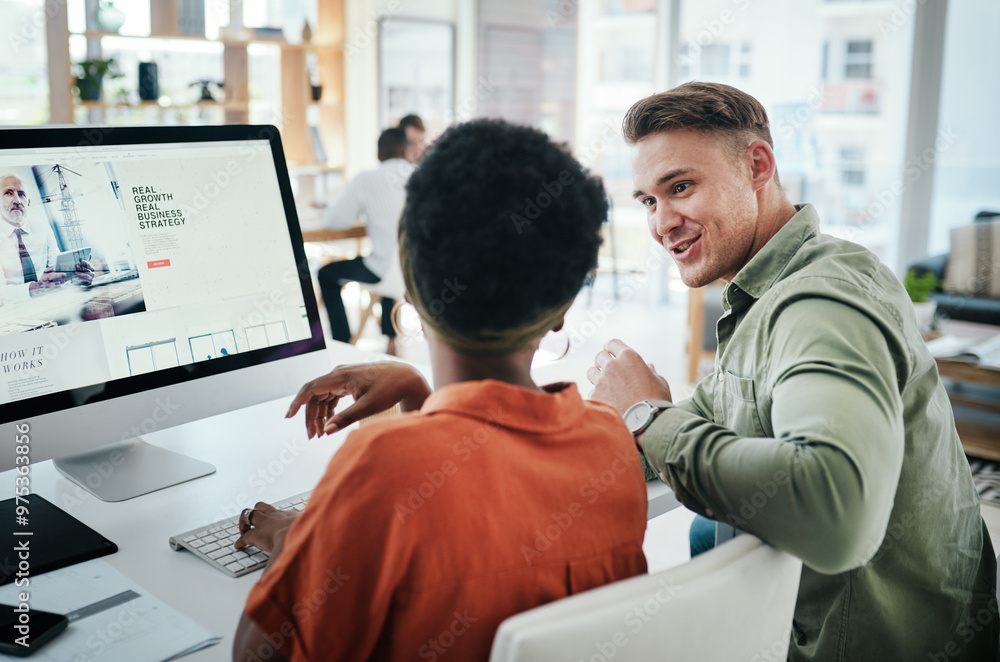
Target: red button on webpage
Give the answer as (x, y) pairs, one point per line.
(158, 263)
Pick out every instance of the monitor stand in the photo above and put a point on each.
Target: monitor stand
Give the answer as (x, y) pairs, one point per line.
(130, 469)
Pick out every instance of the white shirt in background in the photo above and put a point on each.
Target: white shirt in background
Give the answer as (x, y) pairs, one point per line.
(379, 194)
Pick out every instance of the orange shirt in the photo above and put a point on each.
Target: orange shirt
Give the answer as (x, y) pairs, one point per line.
(430, 529)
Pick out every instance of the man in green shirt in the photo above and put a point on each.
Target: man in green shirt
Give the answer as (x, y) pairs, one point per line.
(824, 429)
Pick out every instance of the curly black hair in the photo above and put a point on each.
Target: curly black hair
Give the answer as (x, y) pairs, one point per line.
(501, 225)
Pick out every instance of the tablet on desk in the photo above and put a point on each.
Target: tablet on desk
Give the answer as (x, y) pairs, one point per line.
(67, 260)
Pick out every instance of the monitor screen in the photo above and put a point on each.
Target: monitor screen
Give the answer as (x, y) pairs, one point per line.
(138, 258)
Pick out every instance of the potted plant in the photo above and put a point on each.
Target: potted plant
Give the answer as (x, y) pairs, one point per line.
(920, 285)
(90, 76)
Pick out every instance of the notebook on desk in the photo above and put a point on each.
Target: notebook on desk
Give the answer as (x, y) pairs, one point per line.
(51, 538)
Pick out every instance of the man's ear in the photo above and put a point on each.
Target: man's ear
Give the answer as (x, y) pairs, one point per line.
(762, 163)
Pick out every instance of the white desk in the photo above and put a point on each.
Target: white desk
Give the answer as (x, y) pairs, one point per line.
(259, 456)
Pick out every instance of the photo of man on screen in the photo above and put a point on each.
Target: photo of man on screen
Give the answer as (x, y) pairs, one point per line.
(28, 247)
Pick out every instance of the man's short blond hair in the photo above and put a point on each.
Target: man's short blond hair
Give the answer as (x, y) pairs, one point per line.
(729, 114)
(708, 107)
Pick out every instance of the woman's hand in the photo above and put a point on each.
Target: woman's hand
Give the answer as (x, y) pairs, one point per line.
(264, 527)
(375, 388)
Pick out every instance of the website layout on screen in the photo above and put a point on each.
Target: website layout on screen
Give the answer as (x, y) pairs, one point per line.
(122, 260)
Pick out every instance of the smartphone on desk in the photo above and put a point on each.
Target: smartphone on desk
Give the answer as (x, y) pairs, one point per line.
(33, 628)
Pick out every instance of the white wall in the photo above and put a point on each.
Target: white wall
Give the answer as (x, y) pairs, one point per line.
(361, 112)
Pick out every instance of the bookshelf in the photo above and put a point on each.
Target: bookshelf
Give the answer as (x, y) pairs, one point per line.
(297, 110)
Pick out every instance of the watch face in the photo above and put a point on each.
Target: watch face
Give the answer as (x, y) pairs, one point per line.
(637, 415)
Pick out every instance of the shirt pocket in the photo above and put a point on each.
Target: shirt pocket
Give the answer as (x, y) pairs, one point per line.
(739, 405)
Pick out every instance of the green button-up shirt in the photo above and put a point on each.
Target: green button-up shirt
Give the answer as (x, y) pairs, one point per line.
(825, 431)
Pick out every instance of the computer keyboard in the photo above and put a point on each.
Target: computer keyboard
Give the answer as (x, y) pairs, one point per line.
(214, 543)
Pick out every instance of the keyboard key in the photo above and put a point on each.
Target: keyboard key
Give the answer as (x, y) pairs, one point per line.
(260, 557)
(234, 566)
(218, 553)
(190, 538)
(226, 560)
(246, 562)
(198, 543)
(210, 547)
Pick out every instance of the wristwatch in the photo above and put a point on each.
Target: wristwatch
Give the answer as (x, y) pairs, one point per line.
(641, 415)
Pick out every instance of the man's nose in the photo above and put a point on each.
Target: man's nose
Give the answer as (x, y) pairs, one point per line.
(666, 219)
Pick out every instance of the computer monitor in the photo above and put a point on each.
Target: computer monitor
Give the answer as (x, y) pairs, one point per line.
(183, 292)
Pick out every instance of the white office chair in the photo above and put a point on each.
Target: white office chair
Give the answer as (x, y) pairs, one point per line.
(732, 603)
(391, 286)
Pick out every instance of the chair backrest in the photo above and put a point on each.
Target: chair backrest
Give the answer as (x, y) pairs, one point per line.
(734, 602)
(391, 285)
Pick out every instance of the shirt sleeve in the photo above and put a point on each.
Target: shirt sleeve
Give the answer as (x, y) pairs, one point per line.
(328, 594)
(344, 212)
(822, 487)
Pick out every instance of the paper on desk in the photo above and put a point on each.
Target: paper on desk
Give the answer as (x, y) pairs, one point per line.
(111, 618)
(984, 352)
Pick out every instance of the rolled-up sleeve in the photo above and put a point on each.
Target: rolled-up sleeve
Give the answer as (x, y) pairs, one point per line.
(822, 486)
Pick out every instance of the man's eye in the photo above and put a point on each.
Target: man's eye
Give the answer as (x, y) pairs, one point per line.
(648, 202)
(680, 188)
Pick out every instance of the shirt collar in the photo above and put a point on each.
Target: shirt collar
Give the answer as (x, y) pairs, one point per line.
(501, 404)
(768, 265)
(9, 228)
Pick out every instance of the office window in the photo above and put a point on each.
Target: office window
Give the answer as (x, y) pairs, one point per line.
(685, 59)
(858, 60)
(796, 62)
(715, 60)
(23, 69)
(746, 52)
(852, 168)
(965, 155)
(630, 6)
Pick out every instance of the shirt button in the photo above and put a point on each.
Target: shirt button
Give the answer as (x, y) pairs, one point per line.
(721, 377)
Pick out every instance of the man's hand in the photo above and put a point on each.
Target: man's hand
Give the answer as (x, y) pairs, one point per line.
(46, 280)
(621, 378)
(84, 272)
(375, 388)
(269, 526)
